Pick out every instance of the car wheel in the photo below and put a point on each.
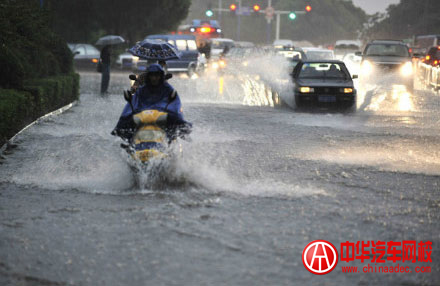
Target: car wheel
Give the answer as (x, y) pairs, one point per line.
(191, 71)
(350, 108)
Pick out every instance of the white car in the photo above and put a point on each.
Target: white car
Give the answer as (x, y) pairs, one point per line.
(218, 45)
(319, 54)
(353, 62)
(126, 60)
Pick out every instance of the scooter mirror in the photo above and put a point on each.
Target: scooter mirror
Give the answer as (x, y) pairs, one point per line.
(168, 76)
(132, 77)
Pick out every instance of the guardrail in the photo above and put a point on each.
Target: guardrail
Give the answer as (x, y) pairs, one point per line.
(429, 75)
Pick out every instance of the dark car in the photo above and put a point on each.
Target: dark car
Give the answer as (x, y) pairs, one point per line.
(432, 58)
(189, 55)
(325, 82)
(86, 56)
(390, 58)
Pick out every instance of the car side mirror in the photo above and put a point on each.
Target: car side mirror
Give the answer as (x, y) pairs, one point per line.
(75, 53)
(358, 53)
(355, 76)
(168, 76)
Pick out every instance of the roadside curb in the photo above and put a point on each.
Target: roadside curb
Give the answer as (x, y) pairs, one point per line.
(38, 120)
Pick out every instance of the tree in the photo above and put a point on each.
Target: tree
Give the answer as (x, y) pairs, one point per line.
(86, 20)
(406, 19)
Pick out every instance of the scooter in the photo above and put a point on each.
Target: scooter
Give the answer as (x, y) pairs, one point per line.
(150, 139)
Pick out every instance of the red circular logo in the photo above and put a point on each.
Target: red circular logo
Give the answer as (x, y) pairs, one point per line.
(320, 257)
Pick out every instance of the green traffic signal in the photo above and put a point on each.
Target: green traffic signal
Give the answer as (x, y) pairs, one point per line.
(292, 16)
(209, 13)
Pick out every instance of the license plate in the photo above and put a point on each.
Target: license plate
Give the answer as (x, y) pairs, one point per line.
(327, 98)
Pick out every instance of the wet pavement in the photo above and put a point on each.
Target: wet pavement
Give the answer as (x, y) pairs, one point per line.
(254, 186)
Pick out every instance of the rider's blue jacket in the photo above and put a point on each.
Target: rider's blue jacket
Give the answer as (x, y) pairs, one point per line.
(162, 97)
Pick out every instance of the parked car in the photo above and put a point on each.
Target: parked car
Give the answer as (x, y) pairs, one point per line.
(189, 55)
(387, 57)
(323, 82)
(86, 56)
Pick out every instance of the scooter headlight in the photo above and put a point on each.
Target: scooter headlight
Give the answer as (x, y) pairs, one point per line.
(366, 68)
(406, 69)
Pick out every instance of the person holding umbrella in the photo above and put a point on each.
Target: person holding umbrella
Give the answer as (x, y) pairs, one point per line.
(105, 58)
(155, 92)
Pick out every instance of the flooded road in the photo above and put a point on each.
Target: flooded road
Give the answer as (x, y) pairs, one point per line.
(254, 186)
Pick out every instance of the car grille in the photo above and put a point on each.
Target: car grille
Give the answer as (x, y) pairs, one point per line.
(127, 61)
(388, 67)
(326, 90)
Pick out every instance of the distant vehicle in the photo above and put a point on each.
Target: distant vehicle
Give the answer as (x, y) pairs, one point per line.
(323, 82)
(218, 45)
(284, 47)
(281, 43)
(319, 54)
(189, 55)
(432, 57)
(387, 57)
(353, 62)
(126, 60)
(203, 30)
(422, 43)
(298, 55)
(343, 47)
(86, 56)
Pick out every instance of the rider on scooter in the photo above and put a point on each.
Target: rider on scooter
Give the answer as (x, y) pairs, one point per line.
(156, 94)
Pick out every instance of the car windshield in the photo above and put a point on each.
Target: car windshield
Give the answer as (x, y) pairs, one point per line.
(319, 55)
(391, 50)
(323, 70)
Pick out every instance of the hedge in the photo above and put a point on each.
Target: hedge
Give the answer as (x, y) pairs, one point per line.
(18, 108)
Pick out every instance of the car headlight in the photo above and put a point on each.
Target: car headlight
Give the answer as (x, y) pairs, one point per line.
(347, 90)
(366, 68)
(306, 89)
(222, 63)
(406, 69)
(135, 59)
(215, 65)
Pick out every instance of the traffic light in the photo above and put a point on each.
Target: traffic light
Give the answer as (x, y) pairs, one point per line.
(256, 8)
(233, 7)
(292, 16)
(209, 13)
(308, 8)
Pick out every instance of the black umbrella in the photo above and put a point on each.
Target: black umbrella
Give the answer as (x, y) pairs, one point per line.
(110, 40)
(154, 50)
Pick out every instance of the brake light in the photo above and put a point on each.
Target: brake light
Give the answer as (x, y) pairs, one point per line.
(205, 29)
(428, 57)
(435, 62)
(410, 50)
(95, 61)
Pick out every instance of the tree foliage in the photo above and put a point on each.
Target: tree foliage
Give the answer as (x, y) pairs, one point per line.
(86, 20)
(406, 19)
(28, 46)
